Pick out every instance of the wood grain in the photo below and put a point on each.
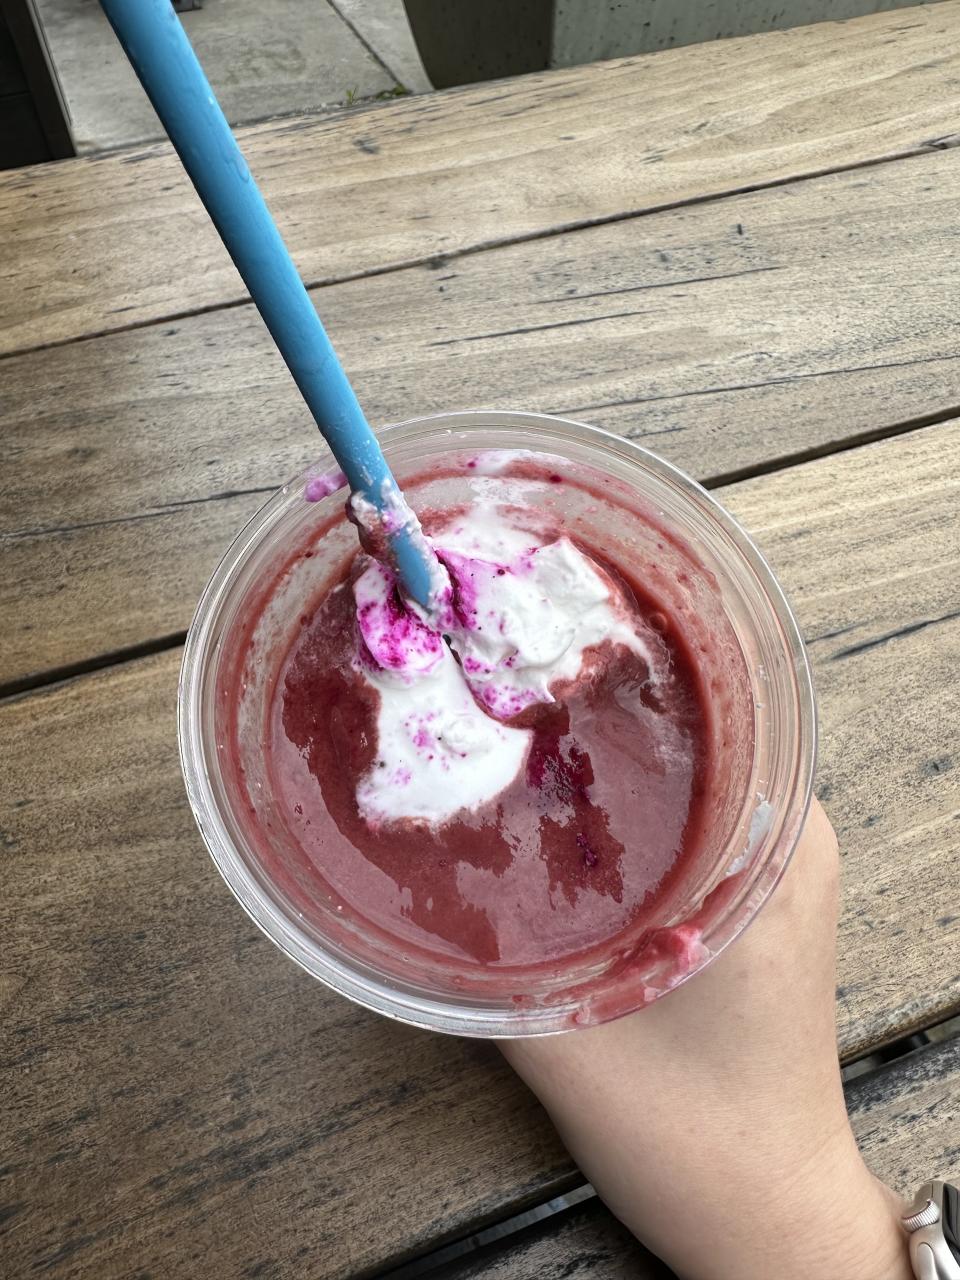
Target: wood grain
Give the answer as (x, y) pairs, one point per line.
(867, 546)
(176, 1090)
(105, 242)
(906, 1119)
(722, 336)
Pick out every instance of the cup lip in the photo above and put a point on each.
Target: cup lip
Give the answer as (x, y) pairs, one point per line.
(414, 1008)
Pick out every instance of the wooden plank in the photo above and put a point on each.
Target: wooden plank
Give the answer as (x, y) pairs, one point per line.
(867, 545)
(114, 240)
(155, 1046)
(176, 1091)
(905, 1117)
(723, 336)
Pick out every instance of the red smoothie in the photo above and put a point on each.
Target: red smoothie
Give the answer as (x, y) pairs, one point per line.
(578, 855)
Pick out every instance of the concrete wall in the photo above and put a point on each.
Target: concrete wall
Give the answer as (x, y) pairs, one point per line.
(585, 30)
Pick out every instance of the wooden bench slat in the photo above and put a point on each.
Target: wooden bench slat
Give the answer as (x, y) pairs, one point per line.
(905, 1117)
(105, 242)
(175, 1087)
(867, 546)
(723, 336)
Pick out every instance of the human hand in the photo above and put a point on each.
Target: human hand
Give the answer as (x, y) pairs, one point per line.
(713, 1122)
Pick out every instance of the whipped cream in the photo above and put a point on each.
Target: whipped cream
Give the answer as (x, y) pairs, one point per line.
(518, 618)
(437, 751)
(523, 612)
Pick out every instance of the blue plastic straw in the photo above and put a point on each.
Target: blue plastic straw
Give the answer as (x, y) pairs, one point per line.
(163, 58)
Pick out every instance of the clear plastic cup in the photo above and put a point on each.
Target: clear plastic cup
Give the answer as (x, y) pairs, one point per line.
(706, 569)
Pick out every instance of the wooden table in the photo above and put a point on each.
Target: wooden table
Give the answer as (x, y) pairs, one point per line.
(742, 254)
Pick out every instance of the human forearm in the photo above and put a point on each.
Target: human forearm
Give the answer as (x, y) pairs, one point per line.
(722, 1197)
(713, 1123)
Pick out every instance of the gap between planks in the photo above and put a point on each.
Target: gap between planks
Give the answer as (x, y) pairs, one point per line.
(486, 246)
(12, 690)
